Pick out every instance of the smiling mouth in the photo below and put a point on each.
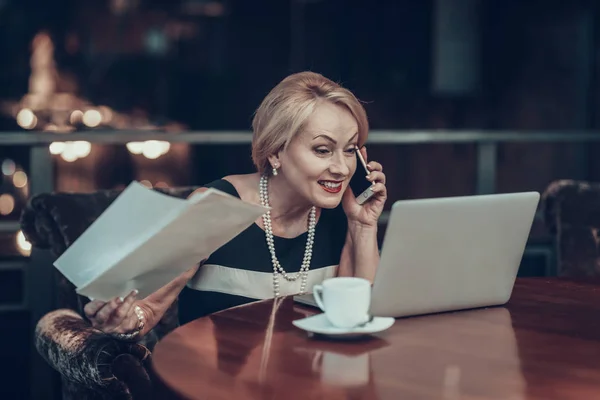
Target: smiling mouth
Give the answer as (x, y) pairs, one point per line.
(331, 186)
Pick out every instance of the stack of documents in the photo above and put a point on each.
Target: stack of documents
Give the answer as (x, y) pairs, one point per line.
(145, 239)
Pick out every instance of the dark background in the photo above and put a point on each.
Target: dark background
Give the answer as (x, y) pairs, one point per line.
(198, 65)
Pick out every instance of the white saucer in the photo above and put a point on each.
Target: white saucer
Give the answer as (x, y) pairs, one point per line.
(319, 324)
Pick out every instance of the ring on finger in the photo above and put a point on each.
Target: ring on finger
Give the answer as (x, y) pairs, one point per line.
(139, 313)
(141, 318)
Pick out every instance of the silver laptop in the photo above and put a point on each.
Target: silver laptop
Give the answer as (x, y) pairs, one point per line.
(447, 254)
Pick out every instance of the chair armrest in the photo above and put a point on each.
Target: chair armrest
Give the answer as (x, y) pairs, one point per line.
(571, 203)
(89, 357)
(571, 212)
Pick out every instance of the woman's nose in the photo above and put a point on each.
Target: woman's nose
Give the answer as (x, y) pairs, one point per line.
(339, 166)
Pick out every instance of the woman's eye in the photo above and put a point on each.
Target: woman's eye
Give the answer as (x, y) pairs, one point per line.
(322, 151)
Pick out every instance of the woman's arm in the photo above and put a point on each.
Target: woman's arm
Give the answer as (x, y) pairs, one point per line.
(118, 316)
(156, 305)
(360, 255)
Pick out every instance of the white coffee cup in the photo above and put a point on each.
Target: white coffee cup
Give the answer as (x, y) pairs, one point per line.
(344, 300)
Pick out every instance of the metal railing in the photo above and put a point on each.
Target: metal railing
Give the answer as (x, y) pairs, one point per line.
(486, 142)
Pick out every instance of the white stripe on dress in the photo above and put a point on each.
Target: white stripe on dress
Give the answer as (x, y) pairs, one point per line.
(252, 284)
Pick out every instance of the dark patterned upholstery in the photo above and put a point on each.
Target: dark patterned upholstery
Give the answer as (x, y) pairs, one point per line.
(572, 215)
(92, 365)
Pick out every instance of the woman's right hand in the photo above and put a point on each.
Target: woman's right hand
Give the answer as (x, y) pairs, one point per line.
(130, 318)
(118, 317)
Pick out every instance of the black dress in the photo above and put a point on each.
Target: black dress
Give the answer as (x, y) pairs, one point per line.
(241, 271)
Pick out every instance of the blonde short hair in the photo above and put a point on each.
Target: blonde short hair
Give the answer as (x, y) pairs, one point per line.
(287, 108)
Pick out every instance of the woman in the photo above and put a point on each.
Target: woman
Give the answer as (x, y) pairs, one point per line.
(305, 135)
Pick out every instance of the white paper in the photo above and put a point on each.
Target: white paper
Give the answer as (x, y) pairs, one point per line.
(145, 239)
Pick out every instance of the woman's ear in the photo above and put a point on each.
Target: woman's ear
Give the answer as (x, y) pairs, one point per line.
(274, 161)
(275, 164)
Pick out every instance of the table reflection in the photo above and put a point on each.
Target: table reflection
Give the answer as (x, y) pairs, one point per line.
(450, 356)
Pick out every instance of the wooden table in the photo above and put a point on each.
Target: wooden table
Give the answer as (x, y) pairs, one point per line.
(545, 344)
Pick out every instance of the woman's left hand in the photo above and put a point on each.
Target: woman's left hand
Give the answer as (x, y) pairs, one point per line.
(367, 214)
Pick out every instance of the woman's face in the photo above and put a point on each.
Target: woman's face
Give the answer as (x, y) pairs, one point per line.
(320, 160)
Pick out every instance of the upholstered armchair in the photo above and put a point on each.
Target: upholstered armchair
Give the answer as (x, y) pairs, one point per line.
(571, 212)
(92, 365)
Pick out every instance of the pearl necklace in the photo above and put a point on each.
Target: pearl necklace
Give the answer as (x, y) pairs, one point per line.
(277, 268)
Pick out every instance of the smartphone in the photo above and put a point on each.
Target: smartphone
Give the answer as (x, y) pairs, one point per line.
(359, 184)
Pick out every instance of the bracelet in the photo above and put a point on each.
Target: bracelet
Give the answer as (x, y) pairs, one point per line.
(141, 323)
